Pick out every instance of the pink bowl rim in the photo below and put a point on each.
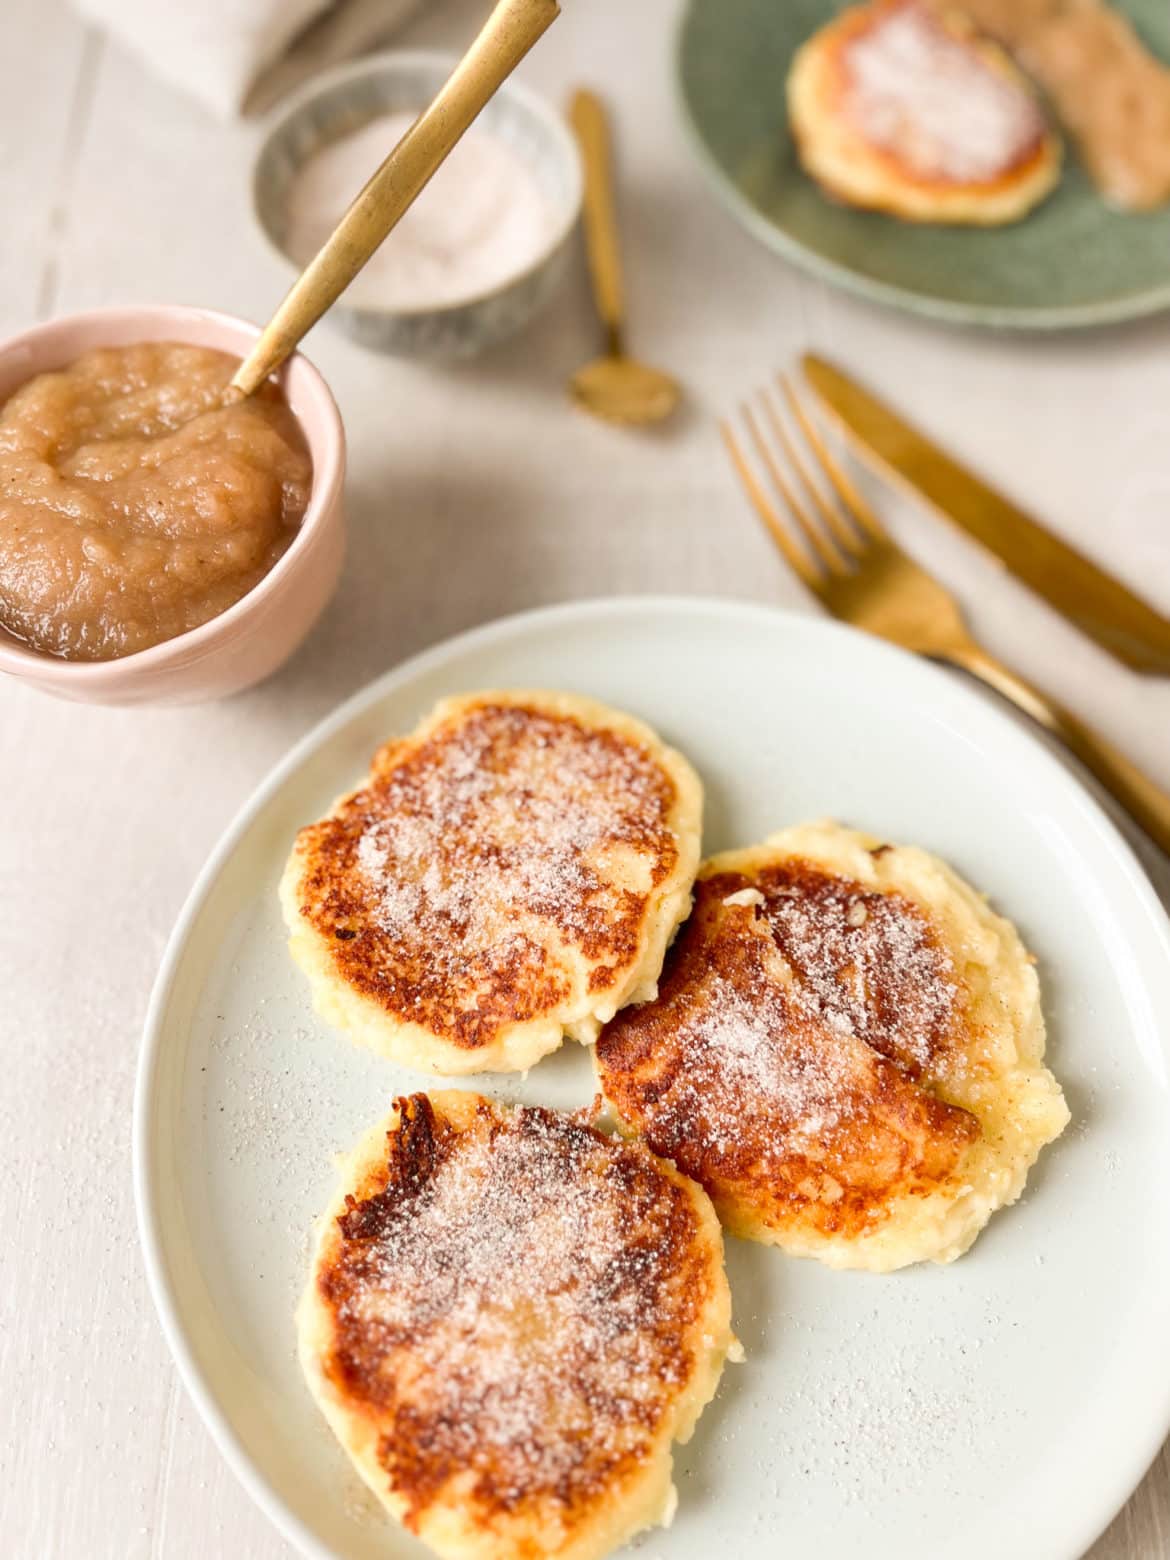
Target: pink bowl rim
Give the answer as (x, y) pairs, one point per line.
(328, 474)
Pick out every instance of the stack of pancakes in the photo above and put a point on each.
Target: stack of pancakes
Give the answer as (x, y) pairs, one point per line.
(512, 1313)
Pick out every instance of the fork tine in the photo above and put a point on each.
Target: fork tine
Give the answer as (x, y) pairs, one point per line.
(768, 512)
(846, 538)
(821, 545)
(855, 506)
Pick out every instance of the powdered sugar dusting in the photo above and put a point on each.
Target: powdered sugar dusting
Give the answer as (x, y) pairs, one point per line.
(781, 1065)
(740, 1066)
(920, 93)
(460, 878)
(866, 961)
(516, 1303)
(757, 1039)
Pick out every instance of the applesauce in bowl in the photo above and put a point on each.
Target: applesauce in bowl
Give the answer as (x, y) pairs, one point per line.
(226, 531)
(134, 504)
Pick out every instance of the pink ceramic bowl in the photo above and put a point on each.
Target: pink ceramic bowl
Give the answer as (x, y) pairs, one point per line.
(250, 640)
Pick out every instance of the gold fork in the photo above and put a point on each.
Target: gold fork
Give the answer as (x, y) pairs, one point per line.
(845, 556)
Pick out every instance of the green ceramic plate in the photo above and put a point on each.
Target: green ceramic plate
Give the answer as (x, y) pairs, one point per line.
(1072, 262)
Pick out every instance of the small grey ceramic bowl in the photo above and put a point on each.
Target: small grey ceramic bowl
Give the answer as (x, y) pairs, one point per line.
(342, 101)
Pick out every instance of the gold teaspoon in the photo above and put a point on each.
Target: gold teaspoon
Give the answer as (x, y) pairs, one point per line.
(614, 386)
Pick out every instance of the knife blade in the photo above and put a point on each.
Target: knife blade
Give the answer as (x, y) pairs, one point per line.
(1099, 605)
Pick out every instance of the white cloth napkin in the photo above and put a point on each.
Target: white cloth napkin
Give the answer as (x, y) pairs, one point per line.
(238, 56)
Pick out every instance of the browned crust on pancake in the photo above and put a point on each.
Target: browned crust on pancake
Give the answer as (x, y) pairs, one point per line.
(420, 973)
(823, 1117)
(391, 1284)
(904, 1015)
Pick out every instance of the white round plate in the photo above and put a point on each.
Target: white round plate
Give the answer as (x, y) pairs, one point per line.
(1004, 1405)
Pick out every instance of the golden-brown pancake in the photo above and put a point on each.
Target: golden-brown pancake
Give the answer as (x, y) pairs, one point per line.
(510, 1319)
(509, 874)
(846, 1051)
(903, 107)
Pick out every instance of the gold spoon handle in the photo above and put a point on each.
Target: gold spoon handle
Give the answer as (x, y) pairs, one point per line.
(1146, 802)
(588, 118)
(506, 37)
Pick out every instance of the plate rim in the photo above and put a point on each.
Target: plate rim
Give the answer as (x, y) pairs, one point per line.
(989, 316)
(151, 1241)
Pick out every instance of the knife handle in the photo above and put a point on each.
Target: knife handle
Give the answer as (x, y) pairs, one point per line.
(1146, 802)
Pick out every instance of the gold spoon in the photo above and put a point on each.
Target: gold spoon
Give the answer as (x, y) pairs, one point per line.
(614, 386)
(506, 37)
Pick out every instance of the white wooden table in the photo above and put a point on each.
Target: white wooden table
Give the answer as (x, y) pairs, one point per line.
(474, 492)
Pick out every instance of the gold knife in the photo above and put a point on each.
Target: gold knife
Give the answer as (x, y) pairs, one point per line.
(1100, 606)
